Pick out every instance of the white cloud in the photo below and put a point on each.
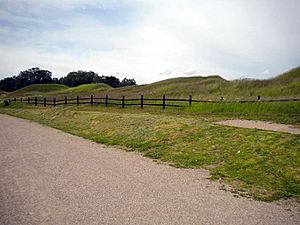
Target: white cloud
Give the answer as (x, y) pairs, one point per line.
(166, 38)
(190, 71)
(265, 72)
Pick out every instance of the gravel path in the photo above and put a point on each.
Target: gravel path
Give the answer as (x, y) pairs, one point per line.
(50, 177)
(261, 125)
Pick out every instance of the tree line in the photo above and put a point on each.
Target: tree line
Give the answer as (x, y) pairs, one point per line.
(38, 76)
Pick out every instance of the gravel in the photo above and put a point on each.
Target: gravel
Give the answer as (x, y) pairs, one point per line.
(50, 177)
(261, 125)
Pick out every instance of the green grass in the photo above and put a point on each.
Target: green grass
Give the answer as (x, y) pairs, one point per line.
(286, 85)
(38, 89)
(90, 88)
(264, 165)
(255, 107)
(58, 90)
(282, 112)
(2, 94)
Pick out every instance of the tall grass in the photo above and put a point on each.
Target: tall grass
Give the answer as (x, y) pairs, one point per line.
(251, 108)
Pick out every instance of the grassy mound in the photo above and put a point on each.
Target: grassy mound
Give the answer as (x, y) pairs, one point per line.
(38, 89)
(175, 87)
(289, 76)
(286, 85)
(2, 94)
(58, 89)
(88, 88)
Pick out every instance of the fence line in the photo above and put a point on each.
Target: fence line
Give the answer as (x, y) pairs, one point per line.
(163, 102)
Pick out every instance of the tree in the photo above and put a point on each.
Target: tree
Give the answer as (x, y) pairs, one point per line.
(25, 78)
(128, 82)
(77, 78)
(55, 80)
(37, 76)
(33, 76)
(112, 81)
(8, 84)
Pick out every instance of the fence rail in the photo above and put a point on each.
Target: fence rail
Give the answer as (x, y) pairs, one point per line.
(161, 102)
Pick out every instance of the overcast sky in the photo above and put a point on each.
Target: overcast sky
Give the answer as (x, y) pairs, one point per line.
(150, 40)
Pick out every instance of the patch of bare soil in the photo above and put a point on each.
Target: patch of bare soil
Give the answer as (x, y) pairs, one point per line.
(262, 125)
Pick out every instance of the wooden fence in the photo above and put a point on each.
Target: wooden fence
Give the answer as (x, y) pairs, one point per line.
(141, 102)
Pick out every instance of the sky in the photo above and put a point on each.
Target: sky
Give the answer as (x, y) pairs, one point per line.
(151, 40)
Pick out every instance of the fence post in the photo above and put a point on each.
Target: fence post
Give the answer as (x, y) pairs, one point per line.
(35, 101)
(45, 102)
(92, 98)
(54, 102)
(28, 100)
(66, 100)
(190, 100)
(21, 99)
(106, 100)
(77, 100)
(142, 101)
(123, 102)
(164, 102)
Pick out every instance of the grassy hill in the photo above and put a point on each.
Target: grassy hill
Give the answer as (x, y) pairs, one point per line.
(2, 94)
(57, 90)
(87, 88)
(286, 85)
(38, 89)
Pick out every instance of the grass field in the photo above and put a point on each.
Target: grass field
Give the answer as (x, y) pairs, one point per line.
(262, 164)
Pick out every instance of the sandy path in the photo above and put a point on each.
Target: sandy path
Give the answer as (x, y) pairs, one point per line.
(261, 125)
(50, 177)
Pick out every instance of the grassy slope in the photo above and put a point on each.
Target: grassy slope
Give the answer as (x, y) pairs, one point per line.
(38, 89)
(2, 94)
(262, 164)
(286, 85)
(58, 90)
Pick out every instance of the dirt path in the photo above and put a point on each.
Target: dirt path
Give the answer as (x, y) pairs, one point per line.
(50, 177)
(261, 125)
